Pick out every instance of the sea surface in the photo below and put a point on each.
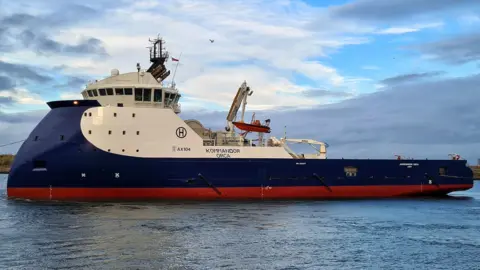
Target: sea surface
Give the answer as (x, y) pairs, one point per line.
(357, 234)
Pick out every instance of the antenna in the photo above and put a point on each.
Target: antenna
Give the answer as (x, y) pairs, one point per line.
(175, 71)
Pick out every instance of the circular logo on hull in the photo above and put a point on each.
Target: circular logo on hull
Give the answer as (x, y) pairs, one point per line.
(181, 132)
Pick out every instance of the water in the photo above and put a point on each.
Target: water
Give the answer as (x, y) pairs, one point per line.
(366, 234)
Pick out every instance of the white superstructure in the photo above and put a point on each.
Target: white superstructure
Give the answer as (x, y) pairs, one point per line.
(139, 117)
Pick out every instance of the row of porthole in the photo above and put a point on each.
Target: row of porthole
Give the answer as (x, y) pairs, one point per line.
(123, 150)
(110, 132)
(114, 114)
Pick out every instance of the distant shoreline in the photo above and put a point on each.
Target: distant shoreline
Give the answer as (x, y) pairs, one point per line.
(7, 160)
(5, 163)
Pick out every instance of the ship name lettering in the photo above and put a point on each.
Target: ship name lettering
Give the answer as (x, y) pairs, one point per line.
(222, 151)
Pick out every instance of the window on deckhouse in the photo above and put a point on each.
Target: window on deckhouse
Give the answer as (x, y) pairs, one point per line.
(138, 94)
(157, 95)
(147, 94)
(128, 91)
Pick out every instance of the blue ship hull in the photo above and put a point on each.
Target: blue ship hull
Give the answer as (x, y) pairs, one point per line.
(57, 162)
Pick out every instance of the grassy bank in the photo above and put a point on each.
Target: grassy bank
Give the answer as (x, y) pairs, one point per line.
(476, 172)
(5, 163)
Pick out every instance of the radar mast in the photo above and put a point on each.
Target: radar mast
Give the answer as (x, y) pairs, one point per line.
(158, 57)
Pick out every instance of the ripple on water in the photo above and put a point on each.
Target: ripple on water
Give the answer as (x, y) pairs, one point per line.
(368, 234)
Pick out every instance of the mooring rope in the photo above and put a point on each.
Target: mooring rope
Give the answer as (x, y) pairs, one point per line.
(11, 143)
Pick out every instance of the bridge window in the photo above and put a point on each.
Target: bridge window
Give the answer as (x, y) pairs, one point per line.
(147, 94)
(143, 94)
(138, 94)
(157, 95)
(177, 98)
(102, 92)
(350, 171)
(109, 91)
(128, 91)
(95, 92)
(168, 98)
(119, 91)
(84, 94)
(90, 94)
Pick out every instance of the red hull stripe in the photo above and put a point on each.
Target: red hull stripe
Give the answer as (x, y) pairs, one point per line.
(312, 192)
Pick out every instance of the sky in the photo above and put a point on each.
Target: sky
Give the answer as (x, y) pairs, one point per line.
(371, 78)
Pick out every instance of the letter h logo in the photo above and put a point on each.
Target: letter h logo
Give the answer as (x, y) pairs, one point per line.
(181, 132)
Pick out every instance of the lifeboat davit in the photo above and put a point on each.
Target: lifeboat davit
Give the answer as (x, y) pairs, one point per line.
(255, 126)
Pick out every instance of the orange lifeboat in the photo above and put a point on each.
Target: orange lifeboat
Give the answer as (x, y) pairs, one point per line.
(255, 126)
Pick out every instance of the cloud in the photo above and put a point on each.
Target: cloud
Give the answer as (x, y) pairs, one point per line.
(73, 82)
(405, 78)
(250, 45)
(30, 117)
(469, 19)
(326, 93)
(17, 126)
(424, 120)
(408, 29)
(70, 95)
(33, 31)
(5, 101)
(22, 96)
(23, 72)
(454, 50)
(42, 44)
(394, 10)
(6, 83)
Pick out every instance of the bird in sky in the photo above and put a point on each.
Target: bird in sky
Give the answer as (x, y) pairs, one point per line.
(211, 40)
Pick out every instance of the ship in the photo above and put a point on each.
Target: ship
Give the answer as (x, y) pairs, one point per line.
(125, 140)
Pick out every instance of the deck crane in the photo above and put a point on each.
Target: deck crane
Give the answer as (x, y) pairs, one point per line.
(255, 125)
(240, 97)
